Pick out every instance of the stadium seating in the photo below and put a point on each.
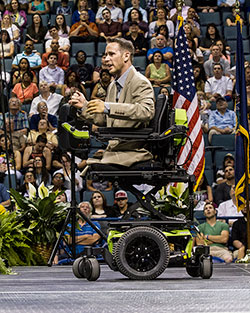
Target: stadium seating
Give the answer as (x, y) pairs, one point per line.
(88, 47)
(207, 18)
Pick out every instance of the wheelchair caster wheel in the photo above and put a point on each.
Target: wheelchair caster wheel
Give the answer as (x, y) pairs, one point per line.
(206, 268)
(77, 268)
(91, 269)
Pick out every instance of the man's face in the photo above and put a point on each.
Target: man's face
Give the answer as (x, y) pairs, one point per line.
(106, 15)
(42, 124)
(215, 51)
(29, 46)
(110, 2)
(217, 71)
(43, 86)
(42, 108)
(14, 104)
(52, 60)
(221, 105)
(209, 211)
(134, 29)
(160, 41)
(229, 161)
(229, 172)
(84, 16)
(85, 209)
(81, 58)
(247, 73)
(53, 32)
(54, 45)
(122, 202)
(191, 13)
(115, 58)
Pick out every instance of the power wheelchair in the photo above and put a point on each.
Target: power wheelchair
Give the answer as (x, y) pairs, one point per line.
(142, 247)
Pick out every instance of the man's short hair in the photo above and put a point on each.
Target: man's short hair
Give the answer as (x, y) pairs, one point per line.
(125, 45)
(52, 53)
(52, 26)
(219, 99)
(218, 64)
(106, 9)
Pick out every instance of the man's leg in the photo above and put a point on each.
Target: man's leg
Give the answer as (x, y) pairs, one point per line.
(222, 253)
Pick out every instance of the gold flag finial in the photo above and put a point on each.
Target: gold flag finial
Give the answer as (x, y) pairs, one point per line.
(179, 5)
(237, 7)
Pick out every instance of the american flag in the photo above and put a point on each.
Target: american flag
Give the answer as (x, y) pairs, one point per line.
(185, 98)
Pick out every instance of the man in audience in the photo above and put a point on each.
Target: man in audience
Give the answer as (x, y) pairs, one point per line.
(63, 58)
(109, 28)
(239, 235)
(83, 70)
(222, 191)
(83, 31)
(218, 85)
(161, 46)
(42, 109)
(18, 116)
(136, 5)
(121, 206)
(216, 58)
(51, 99)
(64, 44)
(116, 13)
(215, 234)
(52, 73)
(34, 58)
(138, 40)
(220, 175)
(222, 120)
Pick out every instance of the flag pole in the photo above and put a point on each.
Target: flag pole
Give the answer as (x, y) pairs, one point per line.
(246, 259)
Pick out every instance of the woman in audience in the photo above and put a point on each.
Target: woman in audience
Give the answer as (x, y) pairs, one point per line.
(18, 16)
(82, 5)
(225, 53)
(6, 45)
(162, 30)
(14, 157)
(41, 173)
(158, 72)
(188, 29)
(160, 4)
(199, 77)
(63, 29)
(36, 32)
(25, 91)
(71, 83)
(195, 53)
(99, 204)
(23, 67)
(11, 28)
(202, 194)
(162, 19)
(29, 177)
(212, 35)
(135, 16)
(100, 89)
(38, 6)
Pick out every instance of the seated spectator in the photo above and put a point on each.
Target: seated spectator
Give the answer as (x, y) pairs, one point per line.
(52, 73)
(215, 234)
(228, 161)
(62, 198)
(218, 85)
(162, 19)
(202, 194)
(85, 234)
(82, 5)
(158, 72)
(33, 58)
(164, 91)
(51, 99)
(195, 53)
(228, 208)
(83, 31)
(18, 139)
(23, 67)
(204, 110)
(100, 89)
(11, 28)
(58, 185)
(222, 120)
(199, 77)
(116, 13)
(188, 29)
(66, 171)
(4, 196)
(118, 3)
(162, 30)
(18, 16)
(224, 51)
(29, 178)
(62, 27)
(62, 58)
(212, 35)
(156, 4)
(222, 191)
(64, 44)
(216, 59)
(64, 8)
(6, 45)
(36, 31)
(38, 6)
(135, 16)
(136, 5)
(19, 117)
(25, 91)
(161, 46)
(43, 128)
(71, 83)
(193, 20)
(41, 173)
(122, 205)
(239, 235)
(83, 70)
(138, 40)
(39, 149)
(42, 109)
(109, 28)
(14, 157)
(99, 204)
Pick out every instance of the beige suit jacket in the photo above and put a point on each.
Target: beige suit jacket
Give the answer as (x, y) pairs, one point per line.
(134, 109)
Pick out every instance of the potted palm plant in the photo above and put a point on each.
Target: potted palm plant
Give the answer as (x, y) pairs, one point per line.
(41, 213)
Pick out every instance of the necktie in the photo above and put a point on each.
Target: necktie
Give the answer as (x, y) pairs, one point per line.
(119, 88)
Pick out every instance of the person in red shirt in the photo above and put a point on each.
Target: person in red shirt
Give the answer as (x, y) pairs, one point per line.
(62, 60)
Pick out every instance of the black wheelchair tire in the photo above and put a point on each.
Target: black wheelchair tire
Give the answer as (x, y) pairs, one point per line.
(206, 268)
(77, 268)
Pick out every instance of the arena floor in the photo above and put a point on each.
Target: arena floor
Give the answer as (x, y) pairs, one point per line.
(55, 289)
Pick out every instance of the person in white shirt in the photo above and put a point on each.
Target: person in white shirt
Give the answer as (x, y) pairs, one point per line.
(64, 43)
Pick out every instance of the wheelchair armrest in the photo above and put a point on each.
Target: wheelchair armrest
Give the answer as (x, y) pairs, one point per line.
(123, 133)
